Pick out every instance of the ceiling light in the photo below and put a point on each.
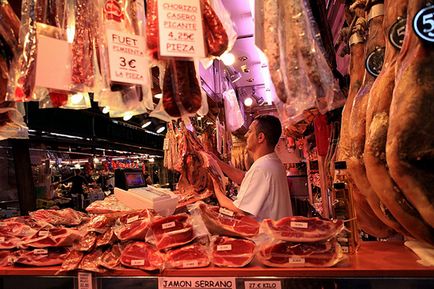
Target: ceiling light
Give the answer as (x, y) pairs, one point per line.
(227, 58)
(158, 95)
(248, 101)
(106, 109)
(160, 128)
(146, 123)
(77, 98)
(127, 116)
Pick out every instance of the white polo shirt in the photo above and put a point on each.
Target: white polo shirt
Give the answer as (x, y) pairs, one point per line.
(264, 190)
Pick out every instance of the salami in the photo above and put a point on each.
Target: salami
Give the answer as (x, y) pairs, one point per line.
(216, 38)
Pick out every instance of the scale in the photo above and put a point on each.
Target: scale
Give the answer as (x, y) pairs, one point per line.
(131, 190)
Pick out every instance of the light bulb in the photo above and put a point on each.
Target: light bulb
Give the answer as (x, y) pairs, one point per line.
(158, 95)
(127, 116)
(106, 109)
(227, 58)
(248, 101)
(161, 129)
(146, 124)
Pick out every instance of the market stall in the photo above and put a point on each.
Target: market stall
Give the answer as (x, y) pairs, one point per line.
(171, 93)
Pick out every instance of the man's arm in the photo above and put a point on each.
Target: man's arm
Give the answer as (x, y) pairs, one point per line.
(227, 203)
(236, 175)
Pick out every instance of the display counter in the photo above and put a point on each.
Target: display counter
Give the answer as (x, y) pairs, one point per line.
(386, 261)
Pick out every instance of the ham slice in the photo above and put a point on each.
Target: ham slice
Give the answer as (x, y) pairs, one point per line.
(87, 243)
(107, 238)
(171, 231)
(107, 206)
(141, 255)
(221, 221)
(110, 259)
(302, 229)
(90, 262)
(410, 138)
(72, 261)
(56, 237)
(231, 252)
(191, 256)
(7, 242)
(289, 254)
(66, 217)
(42, 257)
(133, 226)
(5, 258)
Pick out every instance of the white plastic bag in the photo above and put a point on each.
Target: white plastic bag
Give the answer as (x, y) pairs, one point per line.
(234, 117)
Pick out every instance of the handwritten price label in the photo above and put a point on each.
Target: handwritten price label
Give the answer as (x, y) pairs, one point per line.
(128, 62)
(262, 284)
(180, 28)
(84, 280)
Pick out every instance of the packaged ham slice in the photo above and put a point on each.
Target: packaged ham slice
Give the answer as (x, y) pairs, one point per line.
(5, 258)
(111, 258)
(231, 252)
(87, 243)
(302, 229)
(55, 237)
(107, 238)
(190, 256)
(90, 262)
(106, 206)
(72, 261)
(221, 221)
(290, 254)
(41, 257)
(7, 242)
(143, 256)
(171, 231)
(66, 217)
(133, 226)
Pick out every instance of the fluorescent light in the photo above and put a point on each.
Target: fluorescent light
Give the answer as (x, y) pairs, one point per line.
(248, 101)
(158, 95)
(227, 58)
(127, 116)
(161, 128)
(106, 109)
(146, 123)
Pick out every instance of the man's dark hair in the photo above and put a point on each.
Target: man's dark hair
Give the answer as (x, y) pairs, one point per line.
(270, 126)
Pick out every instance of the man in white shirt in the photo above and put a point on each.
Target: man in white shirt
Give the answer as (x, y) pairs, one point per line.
(264, 189)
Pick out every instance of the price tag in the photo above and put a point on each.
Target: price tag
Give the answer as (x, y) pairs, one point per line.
(227, 247)
(343, 240)
(265, 284)
(397, 32)
(423, 23)
(137, 262)
(168, 225)
(127, 58)
(226, 212)
(302, 225)
(40, 252)
(345, 249)
(84, 280)
(374, 61)
(296, 260)
(180, 28)
(190, 264)
(166, 144)
(196, 282)
(43, 233)
(2, 239)
(132, 219)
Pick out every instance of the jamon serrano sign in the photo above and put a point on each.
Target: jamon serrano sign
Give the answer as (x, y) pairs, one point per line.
(127, 57)
(180, 28)
(197, 283)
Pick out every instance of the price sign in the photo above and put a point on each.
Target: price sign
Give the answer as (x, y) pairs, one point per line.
(423, 23)
(263, 284)
(397, 33)
(180, 28)
(226, 212)
(84, 280)
(132, 219)
(168, 225)
(127, 57)
(302, 225)
(196, 283)
(374, 61)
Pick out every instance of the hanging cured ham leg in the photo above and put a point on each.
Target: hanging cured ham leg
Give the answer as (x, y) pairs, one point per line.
(356, 165)
(410, 138)
(377, 122)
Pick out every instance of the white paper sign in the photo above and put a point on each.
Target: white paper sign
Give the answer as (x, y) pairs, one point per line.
(227, 247)
(40, 251)
(168, 225)
(226, 212)
(132, 219)
(196, 282)
(127, 57)
(180, 28)
(43, 233)
(84, 280)
(190, 264)
(266, 284)
(296, 260)
(302, 225)
(137, 262)
(53, 64)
